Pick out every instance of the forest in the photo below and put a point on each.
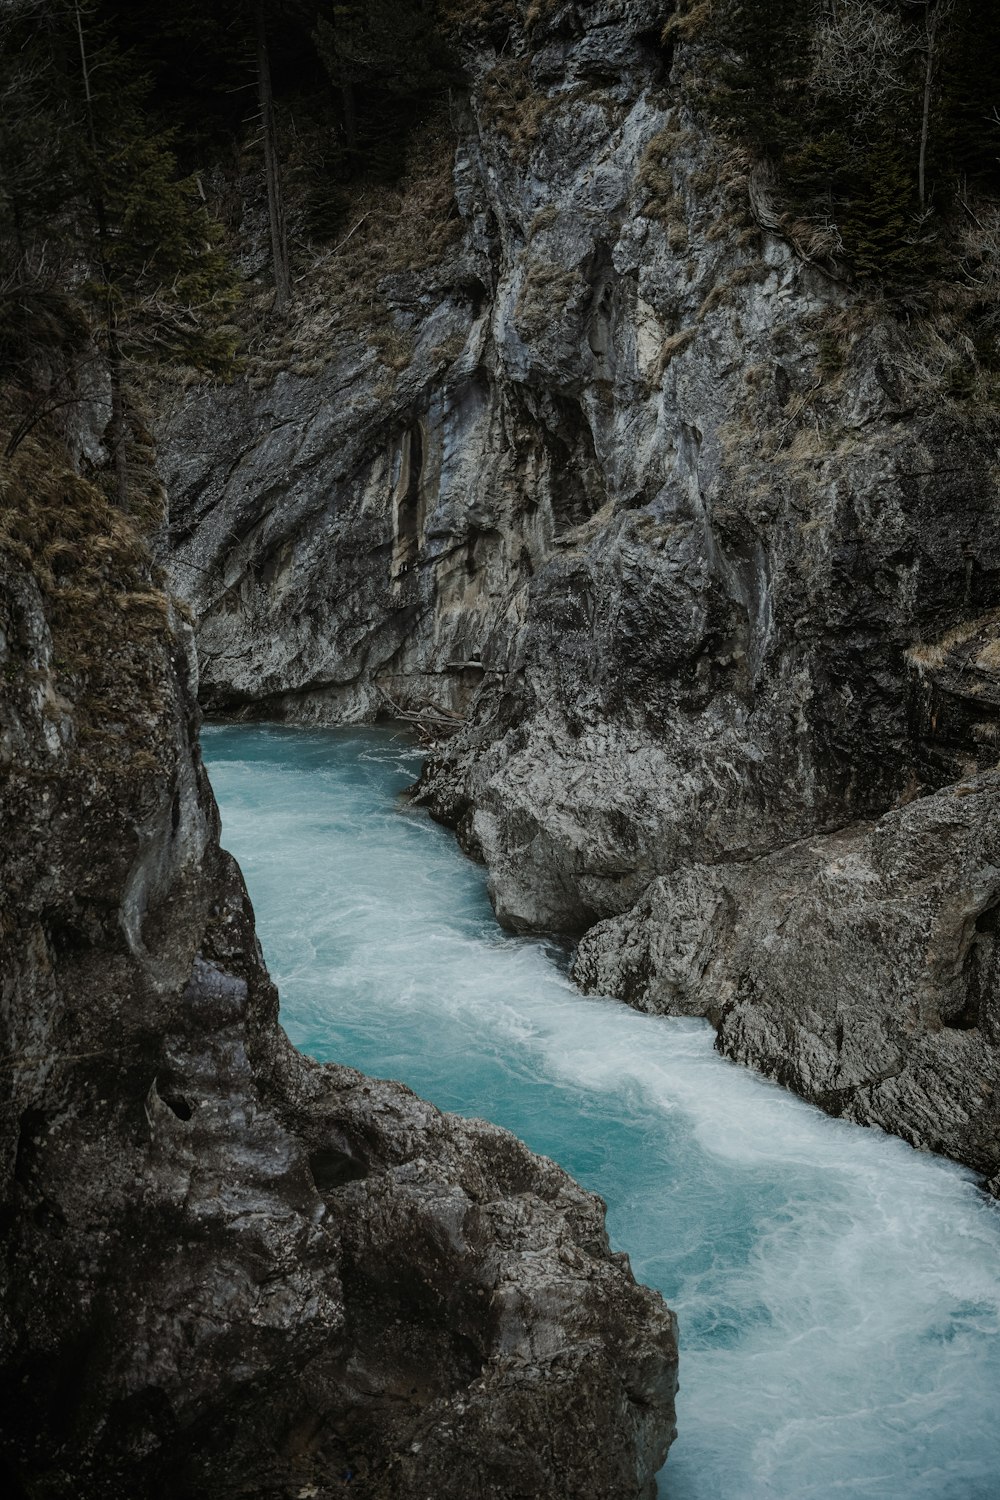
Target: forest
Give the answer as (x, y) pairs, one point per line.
(129, 132)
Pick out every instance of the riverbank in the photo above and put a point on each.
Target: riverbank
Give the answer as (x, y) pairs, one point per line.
(838, 1293)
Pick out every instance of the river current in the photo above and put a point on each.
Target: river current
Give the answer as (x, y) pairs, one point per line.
(838, 1293)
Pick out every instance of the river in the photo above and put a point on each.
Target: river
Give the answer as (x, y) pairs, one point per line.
(838, 1293)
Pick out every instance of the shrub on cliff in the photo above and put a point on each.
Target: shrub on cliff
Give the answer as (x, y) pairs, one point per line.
(878, 116)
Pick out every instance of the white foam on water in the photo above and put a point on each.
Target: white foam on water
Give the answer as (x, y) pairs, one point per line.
(838, 1293)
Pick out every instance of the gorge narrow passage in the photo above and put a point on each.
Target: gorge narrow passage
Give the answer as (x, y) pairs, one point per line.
(838, 1293)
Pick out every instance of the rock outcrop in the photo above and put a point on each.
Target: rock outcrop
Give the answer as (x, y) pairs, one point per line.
(227, 1270)
(859, 967)
(693, 541)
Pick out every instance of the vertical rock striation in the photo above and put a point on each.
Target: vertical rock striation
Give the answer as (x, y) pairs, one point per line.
(695, 546)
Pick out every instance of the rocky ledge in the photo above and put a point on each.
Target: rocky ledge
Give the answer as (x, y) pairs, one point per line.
(227, 1270)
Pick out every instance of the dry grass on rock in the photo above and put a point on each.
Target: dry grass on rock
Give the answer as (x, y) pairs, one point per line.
(66, 544)
(390, 230)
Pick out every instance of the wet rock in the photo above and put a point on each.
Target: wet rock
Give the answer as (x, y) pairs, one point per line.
(227, 1270)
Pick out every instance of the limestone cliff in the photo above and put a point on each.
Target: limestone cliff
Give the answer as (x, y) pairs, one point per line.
(225, 1269)
(688, 535)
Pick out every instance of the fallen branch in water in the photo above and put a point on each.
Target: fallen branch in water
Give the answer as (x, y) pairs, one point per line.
(431, 723)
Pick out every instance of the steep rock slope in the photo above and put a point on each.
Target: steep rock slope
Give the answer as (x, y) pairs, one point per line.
(698, 550)
(227, 1270)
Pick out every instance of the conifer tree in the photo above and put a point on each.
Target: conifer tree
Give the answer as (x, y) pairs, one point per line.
(847, 100)
(272, 170)
(135, 245)
(765, 62)
(970, 86)
(387, 61)
(162, 281)
(35, 164)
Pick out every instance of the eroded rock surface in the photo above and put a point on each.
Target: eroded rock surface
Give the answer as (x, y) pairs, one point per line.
(859, 967)
(696, 546)
(227, 1270)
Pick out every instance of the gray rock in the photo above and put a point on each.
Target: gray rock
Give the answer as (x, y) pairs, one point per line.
(714, 578)
(858, 967)
(227, 1270)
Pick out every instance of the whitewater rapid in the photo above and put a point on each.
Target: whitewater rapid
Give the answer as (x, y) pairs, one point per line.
(838, 1293)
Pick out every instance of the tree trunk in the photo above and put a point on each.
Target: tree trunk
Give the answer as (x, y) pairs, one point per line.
(350, 118)
(937, 14)
(119, 434)
(119, 448)
(925, 124)
(279, 243)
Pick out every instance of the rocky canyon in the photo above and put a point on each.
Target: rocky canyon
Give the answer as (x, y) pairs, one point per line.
(575, 448)
(683, 535)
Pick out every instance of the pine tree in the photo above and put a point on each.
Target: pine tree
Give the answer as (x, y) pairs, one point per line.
(387, 62)
(272, 170)
(970, 84)
(133, 244)
(163, 284)
(845, 101)
(876, 216)
(761, 78)
(38, 169)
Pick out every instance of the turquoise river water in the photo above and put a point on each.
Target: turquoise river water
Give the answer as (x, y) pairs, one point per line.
(838, 1293)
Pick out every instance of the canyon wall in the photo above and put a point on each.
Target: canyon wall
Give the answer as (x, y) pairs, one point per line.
(225, 1269)
(690, 542)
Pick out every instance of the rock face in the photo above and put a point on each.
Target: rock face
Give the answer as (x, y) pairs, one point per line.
(227, 1270)
(692, 541)
(858, 967)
